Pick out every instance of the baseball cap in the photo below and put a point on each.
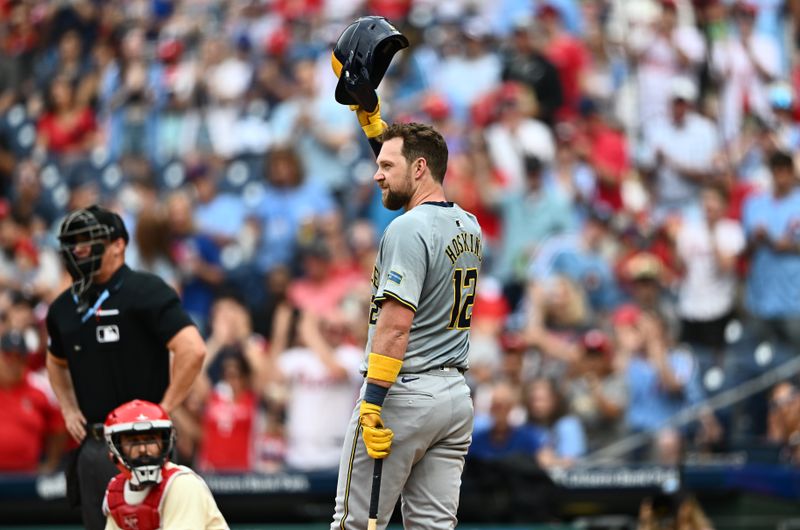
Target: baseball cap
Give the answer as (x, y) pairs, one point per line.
(597, 341)
(547, 9)
(13, 342)
(644, 266)
(626, 315)
(684, 89)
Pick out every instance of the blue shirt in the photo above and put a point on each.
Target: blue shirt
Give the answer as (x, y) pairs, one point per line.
(564, 255)
(223, 216)
(568, 437)
(525, 440)
(197, 295)
(650, 405)
(529, 219)
(281, 212)
(773, 282)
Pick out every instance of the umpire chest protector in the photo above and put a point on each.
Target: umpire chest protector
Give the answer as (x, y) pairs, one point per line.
(144, 516)
(115, 344)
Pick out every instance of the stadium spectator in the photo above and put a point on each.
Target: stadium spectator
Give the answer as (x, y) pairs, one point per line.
(525, 63)
(317, 127)
(568, 54)
(746, 62)
(229, 421)
(663, 50)
(501, 438)
(196, 256)
(68, 127)
(557, 316)
(529, 216)
(34, 438)
(151, 250)
(469, 66)
(517, 136)
(772, 224)
(548, 410)
(783, 418)
(597, 392)
(709, 249)
(583, 258)
(319, 374)
(290, 200)
(678, 152)
(661, 379)
(321, 287)
(218, 215)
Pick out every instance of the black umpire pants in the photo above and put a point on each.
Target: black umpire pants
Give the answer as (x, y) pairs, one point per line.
(95, 469)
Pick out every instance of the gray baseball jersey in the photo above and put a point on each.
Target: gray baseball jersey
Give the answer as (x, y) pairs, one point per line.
(428, 260)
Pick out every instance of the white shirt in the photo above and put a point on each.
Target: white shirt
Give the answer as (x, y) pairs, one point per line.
(319, 408)
(741, 81)
(692, 146)
(508, 148)
(660, 63)
(707, 292)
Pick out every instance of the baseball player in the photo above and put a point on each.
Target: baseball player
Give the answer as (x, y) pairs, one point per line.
(150, 492)
(415, 403)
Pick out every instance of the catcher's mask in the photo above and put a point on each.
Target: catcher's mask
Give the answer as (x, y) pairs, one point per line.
(83, 237)
(367, 45)
(139, 417)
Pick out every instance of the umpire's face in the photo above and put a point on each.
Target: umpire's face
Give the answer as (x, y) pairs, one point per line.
(394, 175)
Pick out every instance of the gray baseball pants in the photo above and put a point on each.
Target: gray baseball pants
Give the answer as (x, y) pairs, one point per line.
(431, 416)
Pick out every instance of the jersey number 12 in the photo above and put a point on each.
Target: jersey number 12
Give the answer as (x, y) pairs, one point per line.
(464, 281)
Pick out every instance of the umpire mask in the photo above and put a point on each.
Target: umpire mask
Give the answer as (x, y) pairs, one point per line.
(83, 237)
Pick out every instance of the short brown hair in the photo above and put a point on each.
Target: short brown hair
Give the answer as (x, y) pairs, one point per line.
(421, 141)
(719, 188)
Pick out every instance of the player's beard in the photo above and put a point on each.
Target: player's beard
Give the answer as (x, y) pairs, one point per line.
(398, 198)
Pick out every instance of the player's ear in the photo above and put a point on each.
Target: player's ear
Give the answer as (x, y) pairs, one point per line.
(419, 166)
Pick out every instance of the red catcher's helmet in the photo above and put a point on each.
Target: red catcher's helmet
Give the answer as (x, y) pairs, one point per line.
(370, 43)
(140, 417)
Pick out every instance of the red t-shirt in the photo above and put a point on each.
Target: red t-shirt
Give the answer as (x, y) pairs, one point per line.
(27, 417)
(570, 58)
(227, 443)
(67, 137)
(609, 152)
(323, 298)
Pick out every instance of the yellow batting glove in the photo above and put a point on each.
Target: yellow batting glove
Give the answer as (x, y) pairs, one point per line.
(371, 122)
(377, 438)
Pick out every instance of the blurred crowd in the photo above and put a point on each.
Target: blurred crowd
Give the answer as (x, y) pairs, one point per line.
(631, 162)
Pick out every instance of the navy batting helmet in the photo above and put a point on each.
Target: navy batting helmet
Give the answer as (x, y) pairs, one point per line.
(368, 44)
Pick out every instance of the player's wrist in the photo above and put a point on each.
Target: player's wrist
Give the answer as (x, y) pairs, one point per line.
(383, 368)
(375, 394)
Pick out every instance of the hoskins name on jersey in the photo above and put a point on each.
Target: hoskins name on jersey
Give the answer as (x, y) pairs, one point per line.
(464, 242)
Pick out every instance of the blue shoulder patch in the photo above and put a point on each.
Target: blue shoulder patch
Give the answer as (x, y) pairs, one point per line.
(395, 277)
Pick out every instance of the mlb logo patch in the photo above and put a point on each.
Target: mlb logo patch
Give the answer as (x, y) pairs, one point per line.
(395, 277)
(107, 334)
